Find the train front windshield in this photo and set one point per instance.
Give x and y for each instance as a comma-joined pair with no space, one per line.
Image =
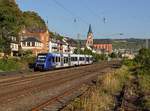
41,58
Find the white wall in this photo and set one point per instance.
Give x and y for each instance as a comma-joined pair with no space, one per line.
51,46
14,47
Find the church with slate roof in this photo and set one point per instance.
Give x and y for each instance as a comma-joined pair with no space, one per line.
98,45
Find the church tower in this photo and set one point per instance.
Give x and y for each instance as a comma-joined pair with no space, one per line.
89,41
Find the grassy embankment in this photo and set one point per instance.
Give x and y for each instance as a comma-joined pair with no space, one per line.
141,66
15,64
144,84
102,96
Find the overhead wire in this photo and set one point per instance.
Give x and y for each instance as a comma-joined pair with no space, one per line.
70,12
93,12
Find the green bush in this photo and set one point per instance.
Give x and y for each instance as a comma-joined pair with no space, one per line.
143,59
28,59
9,65
128,63
15,64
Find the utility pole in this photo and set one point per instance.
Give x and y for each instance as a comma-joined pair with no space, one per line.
78,45
147,44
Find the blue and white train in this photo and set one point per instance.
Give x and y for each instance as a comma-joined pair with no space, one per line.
48,61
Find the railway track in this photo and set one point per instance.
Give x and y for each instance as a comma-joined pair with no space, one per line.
52,82
26,93
130,98
56,102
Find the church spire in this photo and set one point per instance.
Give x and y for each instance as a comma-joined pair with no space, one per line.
89,41
90,29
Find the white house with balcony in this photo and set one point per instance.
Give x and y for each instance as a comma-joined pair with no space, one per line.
58,46
33,44
53,46
14,46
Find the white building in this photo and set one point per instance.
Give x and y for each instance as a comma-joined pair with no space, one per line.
58,46
53,46
129,56
33,44
14,46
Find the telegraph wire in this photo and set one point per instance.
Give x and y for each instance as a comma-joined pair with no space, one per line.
69,12
60,5
91,10
104,19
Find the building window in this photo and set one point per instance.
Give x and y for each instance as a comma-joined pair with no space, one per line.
12,46
37,44
33,44
28,43
23,44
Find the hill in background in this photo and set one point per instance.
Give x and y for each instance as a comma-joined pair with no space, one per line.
131,43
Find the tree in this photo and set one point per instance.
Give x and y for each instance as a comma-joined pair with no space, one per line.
10,23
113,55
78,51
143,58
13,20
88,51
33,22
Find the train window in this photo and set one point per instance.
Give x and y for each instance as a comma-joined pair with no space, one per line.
91,58
87,59
58,59
65,59
81,58
41,58
53,59
76,59
62,59
72,58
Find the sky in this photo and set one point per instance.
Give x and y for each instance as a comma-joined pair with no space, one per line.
109,18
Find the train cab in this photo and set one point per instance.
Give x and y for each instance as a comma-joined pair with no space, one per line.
45,61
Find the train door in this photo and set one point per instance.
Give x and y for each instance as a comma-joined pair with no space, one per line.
69,60
49,62
78,59
62,60
84,59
